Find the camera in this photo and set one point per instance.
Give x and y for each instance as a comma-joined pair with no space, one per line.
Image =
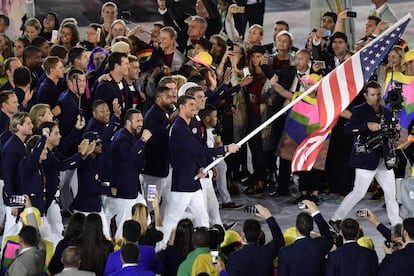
395,98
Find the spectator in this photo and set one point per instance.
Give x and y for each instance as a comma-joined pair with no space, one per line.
71,261
109,12
19,45
129,256
306,252
351,258
32,28
69,35
50,22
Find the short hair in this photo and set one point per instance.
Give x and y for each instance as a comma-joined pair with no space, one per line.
6,20
5,95
160,90
333,15
8,62
165,80
31,143
106,4
349,229
131,230
396,230
115,58
71,256
374,18
258,27
372,84
49,125
252,230
132,58
208,109
22,76
199,19
74,53
39,41
182,100
50,63
17,119
30,51
34,22
58,51
130,253
28,234
408,225
288,35
73,73
97,103
130,112
284,23
170,30
304,51
304,223
192,90
201,237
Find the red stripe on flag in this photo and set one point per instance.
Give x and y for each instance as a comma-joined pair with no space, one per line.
351,82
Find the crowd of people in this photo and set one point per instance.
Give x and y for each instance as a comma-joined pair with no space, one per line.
115,132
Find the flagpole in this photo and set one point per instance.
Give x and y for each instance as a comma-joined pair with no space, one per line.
263,125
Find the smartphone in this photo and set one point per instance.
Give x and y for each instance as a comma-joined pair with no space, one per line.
98,35
321,63
152,189
214,255
230,44
17,201
246,71
327,33
54,36
302,206
351,14
362,213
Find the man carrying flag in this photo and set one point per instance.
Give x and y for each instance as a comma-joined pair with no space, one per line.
338,89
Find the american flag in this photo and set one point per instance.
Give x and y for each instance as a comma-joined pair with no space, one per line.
337,90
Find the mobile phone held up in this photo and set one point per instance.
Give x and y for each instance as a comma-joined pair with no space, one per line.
152,190
351,14
361,213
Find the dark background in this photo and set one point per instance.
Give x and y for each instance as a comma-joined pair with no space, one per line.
87,11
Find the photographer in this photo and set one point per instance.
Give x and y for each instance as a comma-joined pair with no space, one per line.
368,119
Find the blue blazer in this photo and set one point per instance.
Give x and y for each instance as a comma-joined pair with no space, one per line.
352,259
306,256
133,271
357,124
185,152
252,259
106,133
399,263
157,158
148,260
12,153
31,177
127,152
90,190
109,90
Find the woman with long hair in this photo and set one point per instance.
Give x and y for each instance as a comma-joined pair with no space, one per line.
179,245
50,22
72,232
69,35
93,245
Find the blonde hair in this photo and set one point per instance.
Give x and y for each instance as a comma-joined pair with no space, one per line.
34,22
36,111
258,27
180,80
110,36
140,214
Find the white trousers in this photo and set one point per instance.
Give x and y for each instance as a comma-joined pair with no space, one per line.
210,200
105,224
54,219
177,203
2,206
123,209
363,179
